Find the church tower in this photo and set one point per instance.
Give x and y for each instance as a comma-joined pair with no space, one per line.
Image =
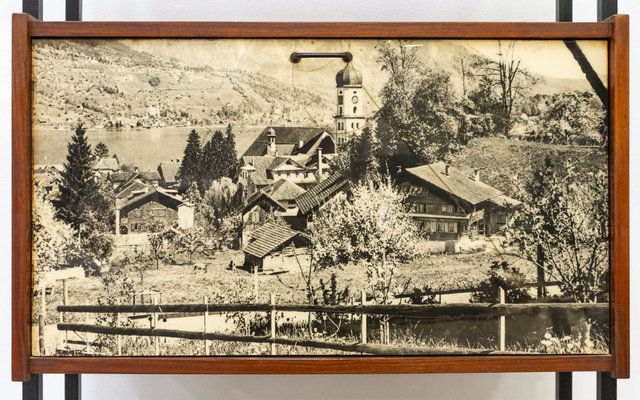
350,115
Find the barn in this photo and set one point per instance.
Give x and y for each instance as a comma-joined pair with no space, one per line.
133,213
272,246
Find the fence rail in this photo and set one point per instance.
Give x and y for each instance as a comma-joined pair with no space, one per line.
377,349
399,310
498,311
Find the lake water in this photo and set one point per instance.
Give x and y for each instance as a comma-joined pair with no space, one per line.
142,148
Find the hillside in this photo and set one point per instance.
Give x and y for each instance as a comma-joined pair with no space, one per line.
105,82
500,160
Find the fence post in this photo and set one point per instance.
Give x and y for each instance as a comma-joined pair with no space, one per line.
363,319
118,337
86,336
273,324
255,283
206,313
41,343
65,301
154,323
503,320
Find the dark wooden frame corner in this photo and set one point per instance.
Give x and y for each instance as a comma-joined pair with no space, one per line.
615,30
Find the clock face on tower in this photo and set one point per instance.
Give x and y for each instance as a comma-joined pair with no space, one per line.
354,99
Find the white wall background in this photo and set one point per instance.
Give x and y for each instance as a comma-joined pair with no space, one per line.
336,387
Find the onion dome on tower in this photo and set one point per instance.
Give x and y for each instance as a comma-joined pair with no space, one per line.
349,76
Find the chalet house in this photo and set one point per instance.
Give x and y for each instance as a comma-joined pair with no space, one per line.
168,171
134,211
271,246
278,199
290,202
299,155
313,199
446,202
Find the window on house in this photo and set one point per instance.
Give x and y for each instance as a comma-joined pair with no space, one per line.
439,227
443,208
352,126
421,208
453,227
340,110
355,109
340,99
427,226
430,208
357,124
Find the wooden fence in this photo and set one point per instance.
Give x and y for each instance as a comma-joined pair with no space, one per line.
452,312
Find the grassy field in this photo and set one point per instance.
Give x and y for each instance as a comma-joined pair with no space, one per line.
186,284
501,160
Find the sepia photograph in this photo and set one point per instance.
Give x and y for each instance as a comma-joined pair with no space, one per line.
418,197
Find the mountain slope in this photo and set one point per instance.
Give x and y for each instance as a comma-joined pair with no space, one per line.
104,82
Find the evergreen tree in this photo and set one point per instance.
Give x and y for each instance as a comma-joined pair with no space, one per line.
363,153
79,187
101,150
211,165
190,169
218,149
231,153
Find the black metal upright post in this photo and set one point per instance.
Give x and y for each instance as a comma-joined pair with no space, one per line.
32,389
73,382
564,385
564,10
73,10
607,8
72,387
564,380
607,385
33,8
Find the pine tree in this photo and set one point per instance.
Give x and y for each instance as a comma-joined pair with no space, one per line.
79,187
210,167
218,155
190,171
363,153
101,150
231,153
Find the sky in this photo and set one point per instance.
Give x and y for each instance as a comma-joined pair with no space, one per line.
548,58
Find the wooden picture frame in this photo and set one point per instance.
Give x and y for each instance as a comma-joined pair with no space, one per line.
614,30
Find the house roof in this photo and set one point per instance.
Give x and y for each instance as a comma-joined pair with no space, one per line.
54,168
283,189
260,164
295,162
280,190
153,191
129,187
320,193
457,183
168,170
285,135
107,163
119,176
269,237
125,178
149,175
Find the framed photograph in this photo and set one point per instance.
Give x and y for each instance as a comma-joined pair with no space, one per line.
320,197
